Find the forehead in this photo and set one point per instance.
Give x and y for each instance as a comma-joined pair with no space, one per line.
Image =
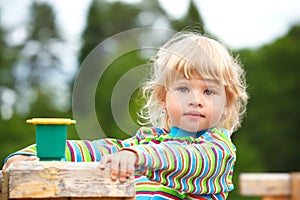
198,80
185,70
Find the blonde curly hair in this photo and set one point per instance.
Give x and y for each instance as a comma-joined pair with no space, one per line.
192,55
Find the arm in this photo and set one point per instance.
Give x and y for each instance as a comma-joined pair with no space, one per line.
203,166
123,161
76,150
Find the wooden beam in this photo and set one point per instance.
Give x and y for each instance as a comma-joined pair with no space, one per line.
265,184
295,186
33,179
271,186
276,198
1,179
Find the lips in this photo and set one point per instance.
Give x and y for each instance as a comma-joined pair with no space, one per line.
194,114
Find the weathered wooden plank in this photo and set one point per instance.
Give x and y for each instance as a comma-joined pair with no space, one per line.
4,187
64,179
276,198
295,186
265,184
1,178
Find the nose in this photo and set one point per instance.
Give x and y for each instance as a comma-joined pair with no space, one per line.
197,100
197,103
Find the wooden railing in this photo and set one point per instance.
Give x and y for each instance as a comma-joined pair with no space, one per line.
63,180
271,186
1,176
83,180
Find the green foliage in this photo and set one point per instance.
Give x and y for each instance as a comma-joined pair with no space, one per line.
7,59
273,112
192,20
15,134
40,54
27,71
105,89
102,24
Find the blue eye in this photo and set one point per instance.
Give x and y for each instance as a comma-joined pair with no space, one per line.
208,92
183,89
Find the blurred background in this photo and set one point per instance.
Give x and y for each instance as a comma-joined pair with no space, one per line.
43,43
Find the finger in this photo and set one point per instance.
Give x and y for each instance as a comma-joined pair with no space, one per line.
128,174
115,163
130,167
123,168
104,160
114,174
18,158
4,168
32,158
9,162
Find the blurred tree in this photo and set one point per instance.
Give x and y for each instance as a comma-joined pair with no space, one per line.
102,23
8,58
39,49
10,126
40,69
191,19
272,121
30,79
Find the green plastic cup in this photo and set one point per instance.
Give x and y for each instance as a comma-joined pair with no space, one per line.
51,136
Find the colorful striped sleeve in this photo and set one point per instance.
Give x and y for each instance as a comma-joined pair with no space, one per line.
76,150
204,166
83,150
86,151
28,151
89,151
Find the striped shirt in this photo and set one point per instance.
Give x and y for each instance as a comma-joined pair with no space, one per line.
169,166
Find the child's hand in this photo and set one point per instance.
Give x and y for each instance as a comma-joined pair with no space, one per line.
18,158
122,163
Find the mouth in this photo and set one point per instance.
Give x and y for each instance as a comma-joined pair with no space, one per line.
194,114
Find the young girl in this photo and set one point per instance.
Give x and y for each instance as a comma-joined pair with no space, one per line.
196,97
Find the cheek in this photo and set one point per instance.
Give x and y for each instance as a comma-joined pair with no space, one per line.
219,103
218,107
173,106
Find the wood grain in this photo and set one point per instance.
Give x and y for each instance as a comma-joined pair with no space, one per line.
271,186
33,179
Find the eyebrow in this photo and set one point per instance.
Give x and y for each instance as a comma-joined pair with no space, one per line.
182,80
210,83
207,81
215,85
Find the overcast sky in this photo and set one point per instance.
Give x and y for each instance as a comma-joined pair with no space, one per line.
239,24
246,23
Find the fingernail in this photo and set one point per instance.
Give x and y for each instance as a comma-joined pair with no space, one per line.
122,179
113,177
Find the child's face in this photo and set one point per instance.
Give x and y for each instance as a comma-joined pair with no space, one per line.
195,104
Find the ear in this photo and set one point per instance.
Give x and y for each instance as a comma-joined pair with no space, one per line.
163,100
163,105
